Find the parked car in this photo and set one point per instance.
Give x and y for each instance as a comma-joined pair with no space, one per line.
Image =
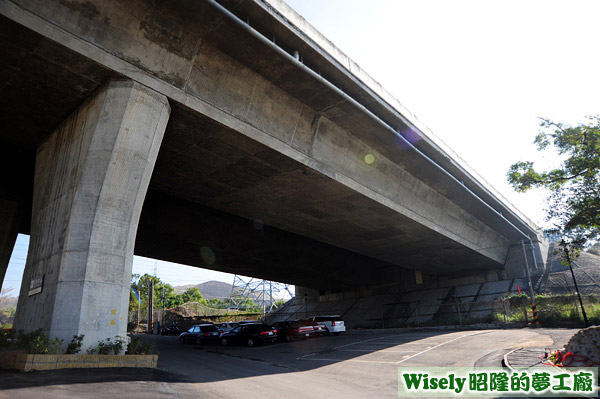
297,329
249,334
200,334
226,327
320,329
334,324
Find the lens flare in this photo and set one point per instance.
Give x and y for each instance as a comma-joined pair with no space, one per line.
409,135
369,159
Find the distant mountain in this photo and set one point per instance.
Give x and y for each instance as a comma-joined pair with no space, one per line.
209,290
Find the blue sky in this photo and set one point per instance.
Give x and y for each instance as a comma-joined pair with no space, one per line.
478,73
173,273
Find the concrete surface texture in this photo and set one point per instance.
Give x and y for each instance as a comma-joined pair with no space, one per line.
306,170
586,344
91,179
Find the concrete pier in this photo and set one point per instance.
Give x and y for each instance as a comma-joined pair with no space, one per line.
91,178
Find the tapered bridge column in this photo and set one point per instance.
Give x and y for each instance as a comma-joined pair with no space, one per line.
91,177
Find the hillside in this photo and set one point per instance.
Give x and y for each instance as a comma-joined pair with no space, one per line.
209,290
8,302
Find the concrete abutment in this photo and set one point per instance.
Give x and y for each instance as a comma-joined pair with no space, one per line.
91,177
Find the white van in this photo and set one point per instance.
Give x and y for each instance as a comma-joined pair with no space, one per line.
334,324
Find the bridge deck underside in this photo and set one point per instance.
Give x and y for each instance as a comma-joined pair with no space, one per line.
208,165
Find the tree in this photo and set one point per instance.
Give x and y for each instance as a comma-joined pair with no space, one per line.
574,201
217,303
140,284
192,295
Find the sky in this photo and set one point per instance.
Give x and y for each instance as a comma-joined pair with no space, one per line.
479,74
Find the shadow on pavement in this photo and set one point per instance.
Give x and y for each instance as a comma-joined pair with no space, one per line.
16,379
209,363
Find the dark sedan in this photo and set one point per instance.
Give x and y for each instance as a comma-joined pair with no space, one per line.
250,335
297,329
200,334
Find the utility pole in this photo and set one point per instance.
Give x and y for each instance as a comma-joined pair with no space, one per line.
162,298
150,300
531,293
568,259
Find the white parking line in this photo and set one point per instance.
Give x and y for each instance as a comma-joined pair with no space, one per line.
372,351
431,346
349,360
359,342
338,347
437,346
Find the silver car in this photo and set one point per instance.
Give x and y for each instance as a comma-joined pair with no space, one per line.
226,327
334,324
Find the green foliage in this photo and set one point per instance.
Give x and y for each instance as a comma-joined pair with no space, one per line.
7,338
247,305
161,290
108,347
280,303
553,310
218,303
36,342
75,345
574,202
192,295
139,347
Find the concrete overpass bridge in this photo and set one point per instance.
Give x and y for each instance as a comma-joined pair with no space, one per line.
228,135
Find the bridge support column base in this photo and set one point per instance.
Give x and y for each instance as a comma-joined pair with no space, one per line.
91,177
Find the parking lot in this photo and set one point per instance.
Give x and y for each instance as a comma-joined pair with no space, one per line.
353,365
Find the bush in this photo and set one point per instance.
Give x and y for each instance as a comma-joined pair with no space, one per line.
75,345
139,347
554,310
36,342
7,338
107,347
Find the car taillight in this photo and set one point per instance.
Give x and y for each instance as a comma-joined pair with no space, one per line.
263,333
333,324
207,334
275,331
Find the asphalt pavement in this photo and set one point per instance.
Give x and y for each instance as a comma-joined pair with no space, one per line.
357,365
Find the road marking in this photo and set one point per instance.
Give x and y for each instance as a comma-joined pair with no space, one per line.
359,342
373,351
342,346
349,360
437,346
370,342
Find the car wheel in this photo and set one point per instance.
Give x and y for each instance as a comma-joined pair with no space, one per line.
224,342
326,333
288,338
336,333
198,341
181,340
250,342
